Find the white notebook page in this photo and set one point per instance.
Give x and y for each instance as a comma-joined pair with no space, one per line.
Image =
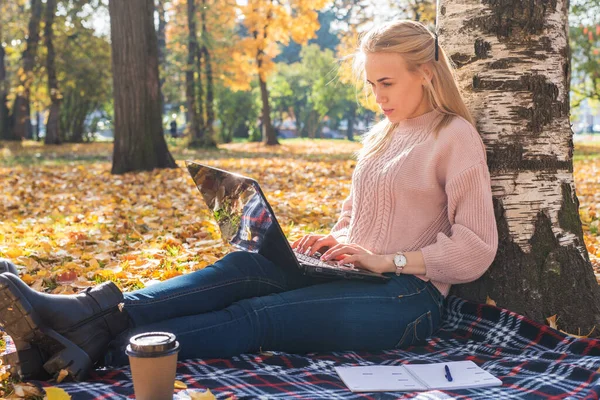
465,374
416,377
378,378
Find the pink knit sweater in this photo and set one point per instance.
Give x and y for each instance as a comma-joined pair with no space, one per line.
428,194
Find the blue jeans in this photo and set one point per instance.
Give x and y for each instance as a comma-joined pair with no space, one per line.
243,303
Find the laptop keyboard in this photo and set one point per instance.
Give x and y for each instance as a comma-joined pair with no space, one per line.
314,260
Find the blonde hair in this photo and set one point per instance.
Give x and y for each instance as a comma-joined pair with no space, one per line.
416,44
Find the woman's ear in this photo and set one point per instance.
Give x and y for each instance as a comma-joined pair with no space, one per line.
427,73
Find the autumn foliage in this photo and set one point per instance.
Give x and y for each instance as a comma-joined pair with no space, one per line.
70,224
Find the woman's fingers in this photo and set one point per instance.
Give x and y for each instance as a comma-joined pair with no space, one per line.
307,242
324,241
339,250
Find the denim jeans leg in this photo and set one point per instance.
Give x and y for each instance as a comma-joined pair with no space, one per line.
238,275
332,316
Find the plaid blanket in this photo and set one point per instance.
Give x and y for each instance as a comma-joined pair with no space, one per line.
533,361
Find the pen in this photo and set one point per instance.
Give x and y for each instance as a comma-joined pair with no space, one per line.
448,376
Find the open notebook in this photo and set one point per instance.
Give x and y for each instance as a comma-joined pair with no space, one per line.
416,377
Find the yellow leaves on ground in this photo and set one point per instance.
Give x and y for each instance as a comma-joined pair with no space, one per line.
586,172
553,323
24,390
54,393
71,225
180,385
197,395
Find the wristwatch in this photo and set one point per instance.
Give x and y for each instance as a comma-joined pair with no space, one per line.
399,262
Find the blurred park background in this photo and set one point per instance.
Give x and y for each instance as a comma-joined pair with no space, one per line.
260,88
56,82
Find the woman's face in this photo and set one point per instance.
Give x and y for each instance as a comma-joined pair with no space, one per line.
398,92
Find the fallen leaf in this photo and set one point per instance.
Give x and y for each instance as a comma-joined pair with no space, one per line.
180,385
490,302
54,393
552,321
26,390
62,375
206,395
580,336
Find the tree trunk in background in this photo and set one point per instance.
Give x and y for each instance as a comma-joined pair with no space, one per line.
162,50
139,140
268,133
209,134
190,81
53,124
4,134
38,125
513,64
269,137
351,119
200,92
21,119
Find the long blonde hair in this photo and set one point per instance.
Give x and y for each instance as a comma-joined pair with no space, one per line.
416,44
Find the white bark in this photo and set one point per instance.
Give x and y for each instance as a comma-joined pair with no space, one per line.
523,193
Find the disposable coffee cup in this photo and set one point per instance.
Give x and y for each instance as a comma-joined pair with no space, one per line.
153,361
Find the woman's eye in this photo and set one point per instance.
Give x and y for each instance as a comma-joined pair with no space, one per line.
383,84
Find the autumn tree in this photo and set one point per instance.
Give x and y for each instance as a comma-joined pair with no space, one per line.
53,123
4,112
205,52
270,24
162,47
514,70
139,142
21,121
193,116
585,42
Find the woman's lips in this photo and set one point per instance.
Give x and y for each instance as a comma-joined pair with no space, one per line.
388,112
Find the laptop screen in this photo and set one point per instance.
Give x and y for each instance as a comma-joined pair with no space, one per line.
236,205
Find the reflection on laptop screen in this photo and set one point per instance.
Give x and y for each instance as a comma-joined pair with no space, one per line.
240,211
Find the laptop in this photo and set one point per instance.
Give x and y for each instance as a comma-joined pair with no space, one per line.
247,222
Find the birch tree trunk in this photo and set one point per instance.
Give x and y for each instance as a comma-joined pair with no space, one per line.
513,68
139,139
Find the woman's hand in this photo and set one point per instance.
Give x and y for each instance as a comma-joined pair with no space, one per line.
359,256
313,243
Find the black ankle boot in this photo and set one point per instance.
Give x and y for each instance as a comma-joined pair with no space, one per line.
7,266
68,332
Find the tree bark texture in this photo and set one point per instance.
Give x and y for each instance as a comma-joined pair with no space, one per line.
53,135
139,140
21,119
513,67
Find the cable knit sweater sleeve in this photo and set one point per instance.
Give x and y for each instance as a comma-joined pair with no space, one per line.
470,249
340,229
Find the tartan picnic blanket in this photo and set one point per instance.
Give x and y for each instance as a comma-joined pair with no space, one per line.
533,361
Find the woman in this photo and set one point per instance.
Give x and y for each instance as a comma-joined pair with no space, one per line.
420,211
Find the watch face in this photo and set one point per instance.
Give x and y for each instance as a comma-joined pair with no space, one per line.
399,260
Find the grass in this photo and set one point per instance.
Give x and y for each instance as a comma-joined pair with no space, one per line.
31,153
